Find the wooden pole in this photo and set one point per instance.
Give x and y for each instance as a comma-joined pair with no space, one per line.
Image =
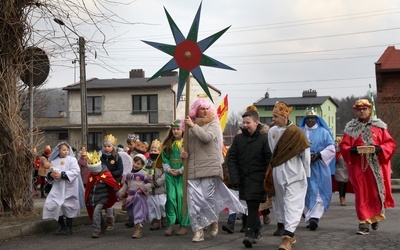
185,148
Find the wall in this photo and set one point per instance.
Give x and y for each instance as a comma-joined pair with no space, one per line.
117,106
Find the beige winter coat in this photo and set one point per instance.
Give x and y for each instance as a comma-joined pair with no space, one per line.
205,149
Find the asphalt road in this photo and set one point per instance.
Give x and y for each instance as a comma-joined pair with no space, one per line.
337,230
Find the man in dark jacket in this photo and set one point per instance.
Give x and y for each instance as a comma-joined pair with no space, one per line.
248,158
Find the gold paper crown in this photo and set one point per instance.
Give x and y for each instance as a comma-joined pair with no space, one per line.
110,139
141,147
281,108
156,144
362,103
93,159
311,112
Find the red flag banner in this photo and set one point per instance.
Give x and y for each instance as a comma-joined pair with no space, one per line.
222,112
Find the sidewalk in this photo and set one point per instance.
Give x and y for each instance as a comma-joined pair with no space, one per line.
49,226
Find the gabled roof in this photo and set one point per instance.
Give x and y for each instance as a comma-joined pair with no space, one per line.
296,101
95,83
129,83
390,59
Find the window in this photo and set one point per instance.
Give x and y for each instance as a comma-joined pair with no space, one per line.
94,104
146,104
63,136
301,107
266,120
298,120
148,137
95,141
267,108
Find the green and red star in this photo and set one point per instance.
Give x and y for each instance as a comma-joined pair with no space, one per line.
188,54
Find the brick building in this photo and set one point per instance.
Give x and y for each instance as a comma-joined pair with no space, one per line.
387,71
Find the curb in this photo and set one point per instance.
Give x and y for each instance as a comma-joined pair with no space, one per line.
46,226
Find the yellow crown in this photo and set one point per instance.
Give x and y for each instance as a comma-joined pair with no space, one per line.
281,108
93,159
110,139
156,144
311,112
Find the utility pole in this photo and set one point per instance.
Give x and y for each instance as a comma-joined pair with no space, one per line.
82,69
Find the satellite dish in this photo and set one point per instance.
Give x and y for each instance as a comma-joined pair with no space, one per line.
36,66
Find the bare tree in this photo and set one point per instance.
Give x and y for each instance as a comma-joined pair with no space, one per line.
232,127
29,23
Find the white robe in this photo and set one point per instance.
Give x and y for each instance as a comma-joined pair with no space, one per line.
63,198
290,183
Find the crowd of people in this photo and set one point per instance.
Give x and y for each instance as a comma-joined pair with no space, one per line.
282,166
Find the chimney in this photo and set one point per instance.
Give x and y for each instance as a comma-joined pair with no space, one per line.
136,73
266,95
310,93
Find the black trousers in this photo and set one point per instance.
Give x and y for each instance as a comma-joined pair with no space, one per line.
342,189
253,219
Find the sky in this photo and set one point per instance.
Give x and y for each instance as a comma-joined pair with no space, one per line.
280,47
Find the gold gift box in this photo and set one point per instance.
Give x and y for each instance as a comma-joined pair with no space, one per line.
366,149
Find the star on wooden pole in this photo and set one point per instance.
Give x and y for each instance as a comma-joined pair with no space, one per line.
188,54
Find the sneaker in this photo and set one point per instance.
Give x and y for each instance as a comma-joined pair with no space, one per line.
258,237
362,230
375,226
287,242
313,223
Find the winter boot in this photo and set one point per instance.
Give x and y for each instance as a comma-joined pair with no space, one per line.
198,236
230,227
182,231
214,229
163,222
170,230
155,224
137,231
68,228
280,229
61,226
244,222
342,201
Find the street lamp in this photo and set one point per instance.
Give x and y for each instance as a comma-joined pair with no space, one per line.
82,81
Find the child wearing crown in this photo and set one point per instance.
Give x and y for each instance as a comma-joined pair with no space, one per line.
157,196
99,193
137,190
63,199
111,159
173,168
